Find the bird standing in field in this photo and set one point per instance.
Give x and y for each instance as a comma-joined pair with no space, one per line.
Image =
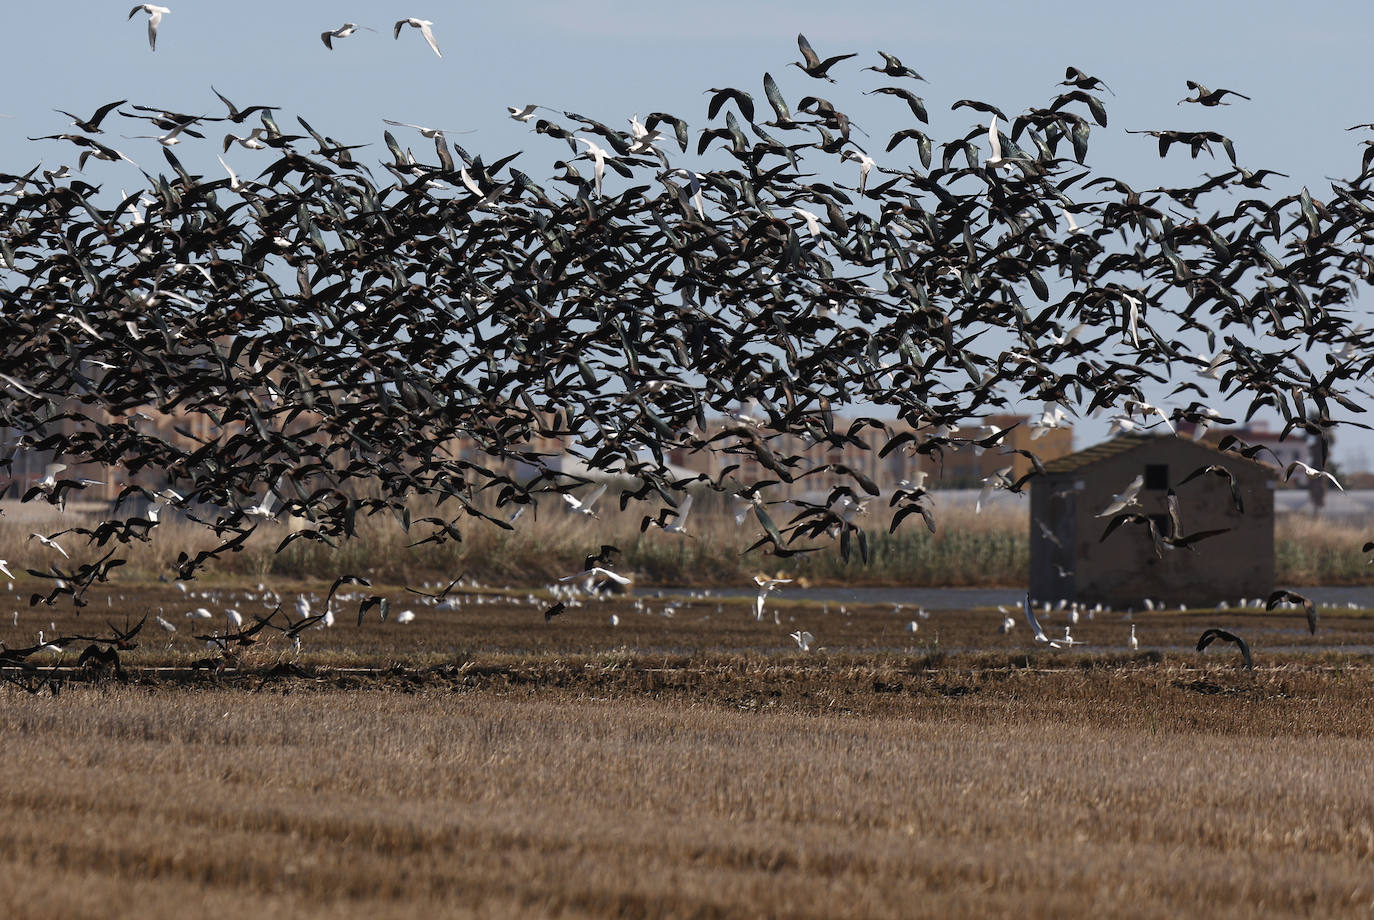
155,14
421,24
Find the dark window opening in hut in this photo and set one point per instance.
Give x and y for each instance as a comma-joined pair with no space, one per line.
1157,476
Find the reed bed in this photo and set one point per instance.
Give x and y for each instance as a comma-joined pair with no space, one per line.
967,550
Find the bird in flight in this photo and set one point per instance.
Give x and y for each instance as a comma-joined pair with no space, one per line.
1208,636
1309,472
812,64
421,24
342,31
1308,607
1210,97
155,14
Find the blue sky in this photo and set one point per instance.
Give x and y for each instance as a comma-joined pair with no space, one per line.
1305,65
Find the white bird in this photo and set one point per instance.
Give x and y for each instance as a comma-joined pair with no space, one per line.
584,505
342,31
234,617
679,523
522,114
615,620
598,156
766,585
1309,472
155,14
1034,624
913,626
48,542
421,24
589,577
1126,498
995,146
866,163
804,640
405,616
200,613
1133,642
1008,624
998,480
813,221
263,509
168,627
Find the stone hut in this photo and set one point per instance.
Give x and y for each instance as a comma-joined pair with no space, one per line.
1070,560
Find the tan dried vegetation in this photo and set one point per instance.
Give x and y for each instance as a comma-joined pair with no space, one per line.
695,766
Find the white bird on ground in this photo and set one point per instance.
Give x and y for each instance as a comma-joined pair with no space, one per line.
166,626
200,613
1133,642
234,617
421,24
405,616
48,542
1008,624
913,626
598,156
804,640
766,585
584,505
1309,472
1126,498
155,14
615,620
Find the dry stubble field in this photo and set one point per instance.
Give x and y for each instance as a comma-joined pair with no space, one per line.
695,766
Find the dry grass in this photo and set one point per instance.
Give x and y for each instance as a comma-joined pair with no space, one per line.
1123,792
698,766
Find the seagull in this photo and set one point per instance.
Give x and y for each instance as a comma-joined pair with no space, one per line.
866,163
598,157
584,506
155,14
1206,639
430,133
1309,472
1126,498
342,31
522,114
421,24
804,639
48,542
589,577
1036,631
766,585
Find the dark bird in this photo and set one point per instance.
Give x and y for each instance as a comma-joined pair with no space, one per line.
812,64
1216,469
894,68
92,125
1209,635
1210,97
554,611
1308,607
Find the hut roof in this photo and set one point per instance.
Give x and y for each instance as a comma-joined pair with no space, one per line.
1128,442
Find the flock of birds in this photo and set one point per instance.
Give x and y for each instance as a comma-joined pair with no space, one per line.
368,337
